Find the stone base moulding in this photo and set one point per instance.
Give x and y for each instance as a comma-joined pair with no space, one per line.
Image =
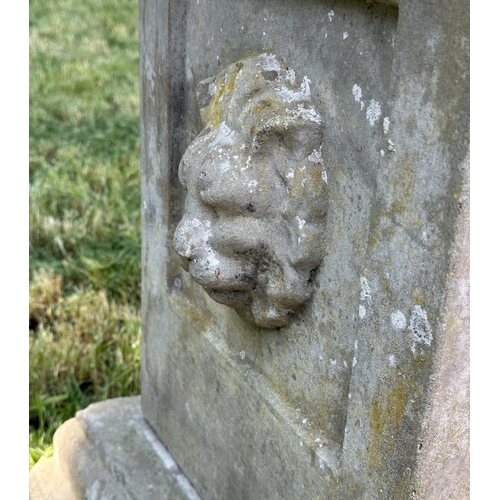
109,452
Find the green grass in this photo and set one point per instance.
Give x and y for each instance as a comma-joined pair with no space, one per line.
84,209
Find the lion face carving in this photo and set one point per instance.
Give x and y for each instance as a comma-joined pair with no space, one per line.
252,231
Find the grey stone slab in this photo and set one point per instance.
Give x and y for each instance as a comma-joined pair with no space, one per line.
109,452
336,404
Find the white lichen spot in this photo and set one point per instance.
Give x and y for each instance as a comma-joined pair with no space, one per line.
302,94
331,15
354,361
392,360
252,184
144,205
315,156
345,35
382,153
333,362
391,146
301,443
387,124
356,345
301,222
420,329
304,422
290,175
248,164
362,311
243,354
324,176
326,35
362,105
366,291
398,320
308,113
349,396
373,112
356,92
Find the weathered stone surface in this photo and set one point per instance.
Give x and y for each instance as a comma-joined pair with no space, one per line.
336,403
109,452
443,459
252,234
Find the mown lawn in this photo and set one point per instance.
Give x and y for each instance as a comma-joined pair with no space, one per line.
84,209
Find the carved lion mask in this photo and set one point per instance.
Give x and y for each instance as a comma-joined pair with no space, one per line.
252,231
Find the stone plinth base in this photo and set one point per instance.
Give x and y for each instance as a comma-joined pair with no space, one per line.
108,451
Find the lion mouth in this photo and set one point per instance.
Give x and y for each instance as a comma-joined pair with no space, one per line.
232,298
222,282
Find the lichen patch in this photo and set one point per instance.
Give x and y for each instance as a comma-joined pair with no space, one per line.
420,329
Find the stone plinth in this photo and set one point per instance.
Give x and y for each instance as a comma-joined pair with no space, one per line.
109,452
339,402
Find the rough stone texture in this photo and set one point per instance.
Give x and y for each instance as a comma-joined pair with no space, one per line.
444,460
109,452
336,404
252,234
